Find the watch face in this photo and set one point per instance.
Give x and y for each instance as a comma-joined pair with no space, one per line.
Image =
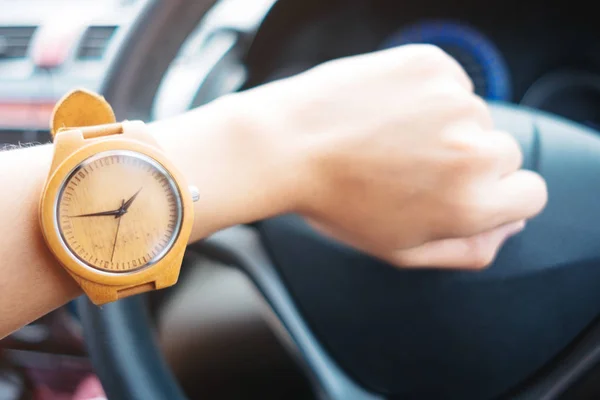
119,211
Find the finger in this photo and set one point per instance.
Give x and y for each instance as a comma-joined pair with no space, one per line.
475,252
518,196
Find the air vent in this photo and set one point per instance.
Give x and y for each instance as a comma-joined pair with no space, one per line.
14,41
94,42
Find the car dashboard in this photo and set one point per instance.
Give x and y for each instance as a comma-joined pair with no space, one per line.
42,57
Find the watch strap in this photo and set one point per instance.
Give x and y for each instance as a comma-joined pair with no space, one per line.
82,108
100,294
92,132
92,116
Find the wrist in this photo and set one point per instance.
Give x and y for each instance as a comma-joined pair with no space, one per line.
298,152
271,166
244,170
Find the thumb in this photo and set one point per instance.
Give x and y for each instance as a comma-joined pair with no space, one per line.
475,252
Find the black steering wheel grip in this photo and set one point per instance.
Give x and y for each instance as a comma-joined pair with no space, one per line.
121,343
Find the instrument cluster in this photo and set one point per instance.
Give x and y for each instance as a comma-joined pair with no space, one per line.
572,92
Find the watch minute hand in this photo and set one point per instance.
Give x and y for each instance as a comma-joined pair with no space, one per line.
98,214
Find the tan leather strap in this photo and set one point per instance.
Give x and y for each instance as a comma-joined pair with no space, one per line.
81,108
137,289
91,114
91,132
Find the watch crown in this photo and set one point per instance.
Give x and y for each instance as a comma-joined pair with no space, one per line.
195,193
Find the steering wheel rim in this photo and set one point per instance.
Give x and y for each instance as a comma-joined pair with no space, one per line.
142,372
120,342
151,45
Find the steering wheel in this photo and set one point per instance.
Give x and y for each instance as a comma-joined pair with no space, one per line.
524,328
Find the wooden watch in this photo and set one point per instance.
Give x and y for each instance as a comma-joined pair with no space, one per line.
114,211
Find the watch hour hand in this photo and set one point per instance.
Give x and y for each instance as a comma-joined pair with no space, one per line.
126,205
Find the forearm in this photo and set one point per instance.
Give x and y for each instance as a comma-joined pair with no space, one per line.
31,282
240,179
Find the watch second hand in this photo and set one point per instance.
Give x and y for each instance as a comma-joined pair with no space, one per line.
117,232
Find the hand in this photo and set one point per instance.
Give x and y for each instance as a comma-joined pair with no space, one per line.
403,160
115,213
126,204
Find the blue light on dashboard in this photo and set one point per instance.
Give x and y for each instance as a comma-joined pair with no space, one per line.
489,65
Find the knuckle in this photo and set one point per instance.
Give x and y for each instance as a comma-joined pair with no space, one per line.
477,106
480,105
444,93
473,107
435,54
429,56
510,150
469,152
467,80
478,151
466,104
432,60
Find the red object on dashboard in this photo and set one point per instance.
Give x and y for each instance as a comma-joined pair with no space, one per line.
25,115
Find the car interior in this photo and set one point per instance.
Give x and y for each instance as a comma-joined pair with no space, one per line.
275,310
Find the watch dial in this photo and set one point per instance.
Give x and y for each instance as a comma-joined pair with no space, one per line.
119,211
